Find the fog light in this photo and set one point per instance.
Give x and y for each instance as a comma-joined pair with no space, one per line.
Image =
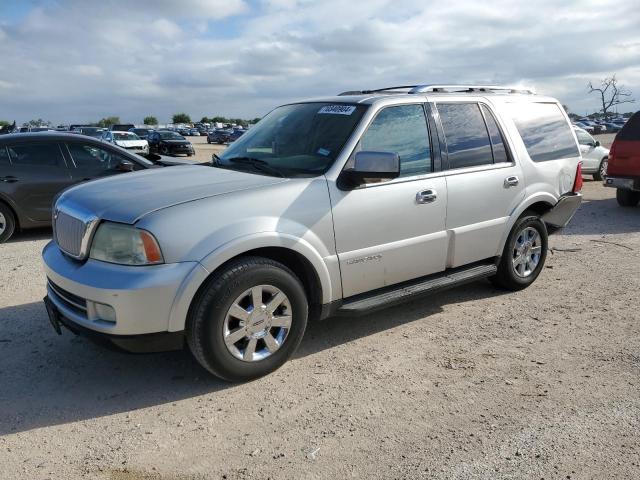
105,312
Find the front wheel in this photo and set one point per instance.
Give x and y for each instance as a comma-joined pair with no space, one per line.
627,198
248,319
524,254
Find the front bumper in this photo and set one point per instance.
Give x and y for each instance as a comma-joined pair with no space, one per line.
118,299
628,183
564,210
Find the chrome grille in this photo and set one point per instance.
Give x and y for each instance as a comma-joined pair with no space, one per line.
69,232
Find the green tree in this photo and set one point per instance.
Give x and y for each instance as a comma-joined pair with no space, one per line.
150,120
107,122
4,123
181,118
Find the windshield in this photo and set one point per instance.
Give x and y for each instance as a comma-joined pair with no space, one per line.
295,140
125,136
170,136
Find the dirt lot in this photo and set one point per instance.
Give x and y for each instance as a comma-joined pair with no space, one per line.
472,383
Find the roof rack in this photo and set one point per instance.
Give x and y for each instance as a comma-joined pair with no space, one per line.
436,88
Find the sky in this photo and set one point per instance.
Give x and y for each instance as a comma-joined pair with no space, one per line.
72,61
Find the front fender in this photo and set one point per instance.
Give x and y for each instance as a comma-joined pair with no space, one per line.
326,268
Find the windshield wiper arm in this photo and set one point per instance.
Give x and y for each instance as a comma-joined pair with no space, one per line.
257,164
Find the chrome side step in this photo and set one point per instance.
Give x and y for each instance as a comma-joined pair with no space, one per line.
386,297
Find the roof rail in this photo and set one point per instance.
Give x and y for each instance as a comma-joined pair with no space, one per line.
470,88
435,88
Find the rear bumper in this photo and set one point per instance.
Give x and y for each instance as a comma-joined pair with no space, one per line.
563,211
624,183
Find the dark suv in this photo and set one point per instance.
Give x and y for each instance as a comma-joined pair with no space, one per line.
35,167
167,142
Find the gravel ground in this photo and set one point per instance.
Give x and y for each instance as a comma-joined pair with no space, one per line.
470,383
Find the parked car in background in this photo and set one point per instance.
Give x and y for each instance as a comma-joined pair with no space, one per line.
124,127
143,133
334,206
95,132
194,132
623,169
167,142
594,155
35,167
585,127
219,136
127,140
613,127
236,134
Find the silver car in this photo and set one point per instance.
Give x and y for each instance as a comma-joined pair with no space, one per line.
594,155
334,206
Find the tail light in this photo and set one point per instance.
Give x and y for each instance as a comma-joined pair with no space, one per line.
577,184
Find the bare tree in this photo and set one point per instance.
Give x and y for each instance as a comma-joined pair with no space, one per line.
611,94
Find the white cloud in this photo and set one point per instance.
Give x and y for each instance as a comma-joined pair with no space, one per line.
75,60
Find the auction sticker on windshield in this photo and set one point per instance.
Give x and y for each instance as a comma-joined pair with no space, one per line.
338,109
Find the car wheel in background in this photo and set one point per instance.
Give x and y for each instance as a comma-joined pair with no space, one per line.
164,150
627,198
524,254
602,170
248,319
7,223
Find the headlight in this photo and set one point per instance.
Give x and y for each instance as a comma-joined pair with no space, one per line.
126,245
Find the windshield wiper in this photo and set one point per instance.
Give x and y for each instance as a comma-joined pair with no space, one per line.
257,164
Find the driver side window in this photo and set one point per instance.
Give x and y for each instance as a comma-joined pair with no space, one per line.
91,157
403,130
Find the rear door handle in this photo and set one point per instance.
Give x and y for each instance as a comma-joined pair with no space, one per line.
511,181
426,196
9,179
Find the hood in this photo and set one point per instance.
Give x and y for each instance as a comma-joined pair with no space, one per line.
175,142
131,143
128,197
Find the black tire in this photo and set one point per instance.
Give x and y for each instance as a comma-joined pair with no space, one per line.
507,278
9,225
599,175
164,150
208,311
627,198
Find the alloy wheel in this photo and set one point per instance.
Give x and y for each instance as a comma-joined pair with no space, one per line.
257,323
3,223
527,252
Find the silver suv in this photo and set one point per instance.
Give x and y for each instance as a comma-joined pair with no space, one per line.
333,206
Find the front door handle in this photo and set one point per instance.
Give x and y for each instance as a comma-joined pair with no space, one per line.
426,196
511,181
9,179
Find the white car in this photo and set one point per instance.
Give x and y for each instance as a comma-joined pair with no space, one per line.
594,155
127,140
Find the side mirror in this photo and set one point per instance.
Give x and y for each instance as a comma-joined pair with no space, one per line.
371,167
597,144
125,166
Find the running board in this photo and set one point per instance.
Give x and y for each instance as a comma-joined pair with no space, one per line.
390,296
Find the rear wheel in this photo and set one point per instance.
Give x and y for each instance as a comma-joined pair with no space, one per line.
627,198
248,320
7,223
524,254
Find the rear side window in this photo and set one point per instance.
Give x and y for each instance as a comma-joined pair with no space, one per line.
544,131
4,157
45,154
631,129
497,142
468,143
401,130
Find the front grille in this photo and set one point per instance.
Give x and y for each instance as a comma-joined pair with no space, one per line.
69,232
71,300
